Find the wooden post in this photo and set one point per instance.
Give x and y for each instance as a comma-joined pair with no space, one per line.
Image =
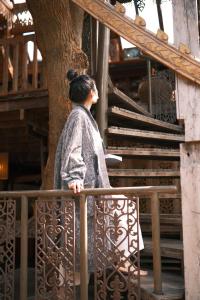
155,217
83,247
35,68
94,24
16,67
149,85
188,109
24,249
102,79
5,51
24,67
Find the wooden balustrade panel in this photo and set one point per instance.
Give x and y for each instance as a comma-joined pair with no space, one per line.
117,241
55,249
7,247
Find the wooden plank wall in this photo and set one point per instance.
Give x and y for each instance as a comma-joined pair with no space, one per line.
188,109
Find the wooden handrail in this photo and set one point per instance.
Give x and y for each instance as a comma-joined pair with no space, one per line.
137,191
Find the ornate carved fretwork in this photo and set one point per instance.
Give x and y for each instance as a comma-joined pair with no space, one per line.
156,47
116,248
7,248
22,20
55,249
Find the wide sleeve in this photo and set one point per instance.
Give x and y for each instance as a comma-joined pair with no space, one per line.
72,165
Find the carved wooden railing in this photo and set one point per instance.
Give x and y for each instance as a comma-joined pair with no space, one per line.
56,240
19,73
134,31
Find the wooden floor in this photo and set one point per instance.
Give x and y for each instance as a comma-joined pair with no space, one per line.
173,287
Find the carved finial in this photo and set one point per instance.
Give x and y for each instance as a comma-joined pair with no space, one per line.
140,21
184,49
120,8
162,35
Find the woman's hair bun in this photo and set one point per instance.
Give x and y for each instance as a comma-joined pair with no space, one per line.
71,74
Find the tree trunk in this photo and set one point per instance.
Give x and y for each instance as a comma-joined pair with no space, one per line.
58,26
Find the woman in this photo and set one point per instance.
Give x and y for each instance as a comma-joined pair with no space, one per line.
80,160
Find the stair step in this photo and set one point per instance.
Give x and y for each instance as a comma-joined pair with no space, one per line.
172,285
172,219
152,152
118,97
170,224
143,173
144,134
169,247
143,120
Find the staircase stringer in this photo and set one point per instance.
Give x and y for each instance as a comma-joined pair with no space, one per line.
156,46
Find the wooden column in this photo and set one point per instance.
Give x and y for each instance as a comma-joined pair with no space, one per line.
102,78
94,25
188,109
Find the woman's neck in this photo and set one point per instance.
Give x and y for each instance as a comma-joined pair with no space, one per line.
88,105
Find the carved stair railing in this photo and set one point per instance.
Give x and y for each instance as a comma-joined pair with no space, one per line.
134,31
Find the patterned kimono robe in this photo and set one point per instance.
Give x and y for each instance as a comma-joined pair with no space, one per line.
80,153
80,156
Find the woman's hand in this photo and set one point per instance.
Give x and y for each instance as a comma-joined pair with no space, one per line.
76,186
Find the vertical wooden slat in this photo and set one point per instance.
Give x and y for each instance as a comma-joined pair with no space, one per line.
83,248
157,273
102,79
35,67
5,51
24,249
24,67
16,67
149,85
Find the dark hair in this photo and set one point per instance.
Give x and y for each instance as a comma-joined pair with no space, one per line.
80,86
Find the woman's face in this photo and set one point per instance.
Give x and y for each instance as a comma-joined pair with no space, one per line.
94,95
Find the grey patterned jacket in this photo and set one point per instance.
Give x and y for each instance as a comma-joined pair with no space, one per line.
80,153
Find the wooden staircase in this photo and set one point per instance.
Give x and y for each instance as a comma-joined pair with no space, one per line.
150,151
150,147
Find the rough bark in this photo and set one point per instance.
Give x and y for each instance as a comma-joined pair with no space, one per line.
58,26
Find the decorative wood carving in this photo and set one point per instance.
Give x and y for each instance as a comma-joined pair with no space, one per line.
148,42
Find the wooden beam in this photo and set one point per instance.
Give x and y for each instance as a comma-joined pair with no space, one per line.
134,31
12,124
23,103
